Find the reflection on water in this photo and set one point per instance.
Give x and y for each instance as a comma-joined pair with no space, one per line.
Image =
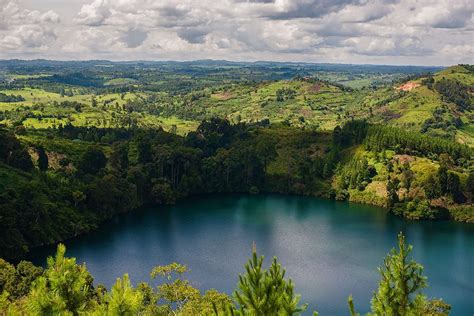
330,249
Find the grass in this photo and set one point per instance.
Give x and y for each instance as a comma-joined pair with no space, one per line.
71,148
120,81
30,95
466,135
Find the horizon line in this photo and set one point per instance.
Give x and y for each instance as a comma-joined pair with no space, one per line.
221,60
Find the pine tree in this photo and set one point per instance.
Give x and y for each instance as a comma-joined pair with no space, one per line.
399,292
266,292
65,287
123,299
402,280
453,184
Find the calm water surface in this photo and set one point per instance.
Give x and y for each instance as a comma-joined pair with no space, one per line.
330,249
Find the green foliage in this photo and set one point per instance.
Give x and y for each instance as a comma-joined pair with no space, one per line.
432,187
463,213
401,283
10,98
13,153
92,161
16,281
385,137
162,192
123,299
434,307
352,311
119,156
65,287
285,94
415,210
175,292
399,291
454,91
266,292
355,174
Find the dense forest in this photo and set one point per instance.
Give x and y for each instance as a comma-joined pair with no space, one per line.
66,288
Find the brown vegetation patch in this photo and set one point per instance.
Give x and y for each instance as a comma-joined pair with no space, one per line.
404,158
387,114
306,113
226,95
54,160
315,88
378,187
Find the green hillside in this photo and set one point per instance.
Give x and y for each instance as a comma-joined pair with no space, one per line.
429,107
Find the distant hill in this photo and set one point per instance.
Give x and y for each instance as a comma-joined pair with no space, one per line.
439,105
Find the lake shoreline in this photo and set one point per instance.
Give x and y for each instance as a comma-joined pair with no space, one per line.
216,195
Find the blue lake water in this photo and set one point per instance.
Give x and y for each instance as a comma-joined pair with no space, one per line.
330,249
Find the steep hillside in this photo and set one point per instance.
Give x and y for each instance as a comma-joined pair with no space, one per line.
440,105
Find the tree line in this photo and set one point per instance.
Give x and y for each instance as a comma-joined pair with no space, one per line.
10,98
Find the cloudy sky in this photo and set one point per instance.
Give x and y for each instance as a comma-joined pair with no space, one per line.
422,32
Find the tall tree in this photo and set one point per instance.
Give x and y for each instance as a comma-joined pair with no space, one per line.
392,195
453,184
119,156
65,288
43,160
92,160
266,150
175,291
123,299
266,292
402,280
399,291
432,187
443,179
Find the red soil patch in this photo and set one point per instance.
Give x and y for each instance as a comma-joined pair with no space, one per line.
408,86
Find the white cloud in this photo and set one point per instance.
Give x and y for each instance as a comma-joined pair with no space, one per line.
26,29
445,14
94,14
459,51
382,31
